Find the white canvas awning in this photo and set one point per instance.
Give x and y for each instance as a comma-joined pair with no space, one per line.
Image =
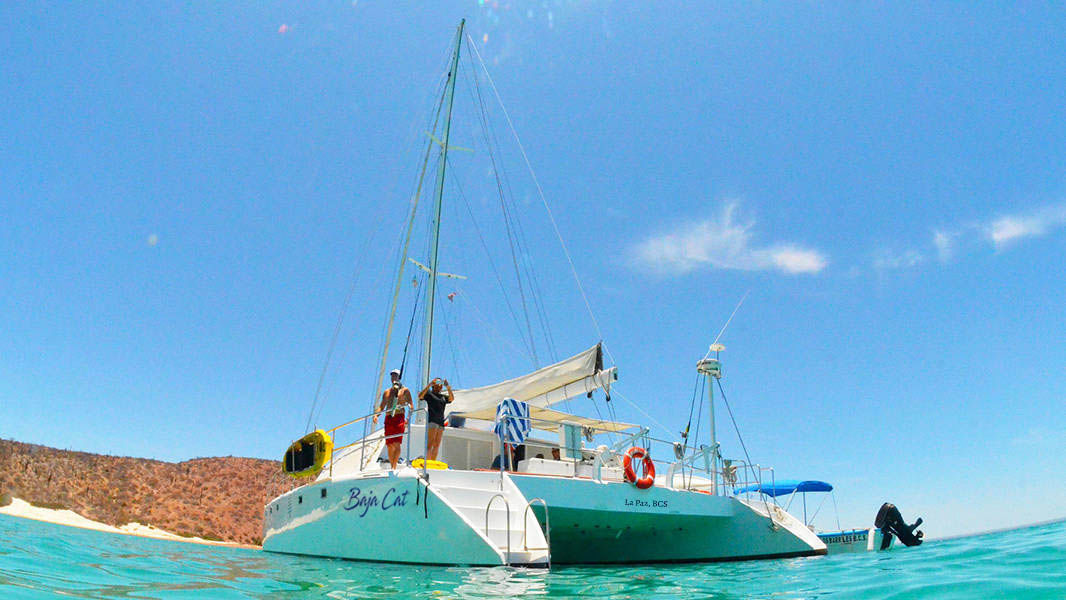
579,374
547,419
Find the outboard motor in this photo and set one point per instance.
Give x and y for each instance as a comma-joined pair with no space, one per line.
890,522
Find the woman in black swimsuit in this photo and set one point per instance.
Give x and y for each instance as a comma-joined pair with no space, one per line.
435,401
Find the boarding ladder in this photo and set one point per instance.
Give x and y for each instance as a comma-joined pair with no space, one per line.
497,510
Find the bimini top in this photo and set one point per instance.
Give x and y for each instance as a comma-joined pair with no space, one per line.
547,419
786,487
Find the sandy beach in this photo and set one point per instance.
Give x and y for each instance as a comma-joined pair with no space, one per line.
25,510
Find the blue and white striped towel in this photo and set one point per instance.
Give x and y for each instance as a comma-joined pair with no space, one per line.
512,421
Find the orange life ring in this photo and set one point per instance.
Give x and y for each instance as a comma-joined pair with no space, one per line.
637,453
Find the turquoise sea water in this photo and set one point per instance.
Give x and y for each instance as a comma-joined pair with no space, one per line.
41,560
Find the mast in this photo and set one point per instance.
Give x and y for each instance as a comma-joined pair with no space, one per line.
431,291
712,369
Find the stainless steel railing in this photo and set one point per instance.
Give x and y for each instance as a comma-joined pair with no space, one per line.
721,476
507,517
547,528
364,442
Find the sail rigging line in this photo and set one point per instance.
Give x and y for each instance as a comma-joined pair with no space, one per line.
538,303
540,192
727,322
755,476
492,263
451,345
410,329
401,264
438,197
691,409
518,276
492,141
346,349
360,264
524,256
357,272
501,183
321,395
616,392
699,416
610,407
488,324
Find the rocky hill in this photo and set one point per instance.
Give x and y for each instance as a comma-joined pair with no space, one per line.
212,498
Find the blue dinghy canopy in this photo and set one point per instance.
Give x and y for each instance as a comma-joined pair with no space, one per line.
786,487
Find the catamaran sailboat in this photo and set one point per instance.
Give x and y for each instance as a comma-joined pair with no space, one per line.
559,493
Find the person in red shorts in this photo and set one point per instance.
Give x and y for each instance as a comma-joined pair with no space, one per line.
393,401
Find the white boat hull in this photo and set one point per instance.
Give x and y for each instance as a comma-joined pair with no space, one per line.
384,517
614,522
372,518
855,540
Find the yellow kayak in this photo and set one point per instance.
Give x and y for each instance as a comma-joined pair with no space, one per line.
433,464
307,455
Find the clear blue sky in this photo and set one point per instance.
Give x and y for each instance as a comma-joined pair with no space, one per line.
187,190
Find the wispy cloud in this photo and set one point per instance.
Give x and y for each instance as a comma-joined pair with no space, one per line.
891,260
725,242
1000,232
1009,229
793,259
944,241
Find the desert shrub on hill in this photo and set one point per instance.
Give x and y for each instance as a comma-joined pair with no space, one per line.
213,498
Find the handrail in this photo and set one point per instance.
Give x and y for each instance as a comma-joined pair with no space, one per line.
507,507
356,420
597,464
679,464
364,441
629,440
598,460
353,421
367,441
547,528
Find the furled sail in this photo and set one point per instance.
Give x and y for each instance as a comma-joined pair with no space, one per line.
577,375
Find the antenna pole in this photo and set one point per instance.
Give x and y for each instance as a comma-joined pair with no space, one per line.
711,368
431,291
